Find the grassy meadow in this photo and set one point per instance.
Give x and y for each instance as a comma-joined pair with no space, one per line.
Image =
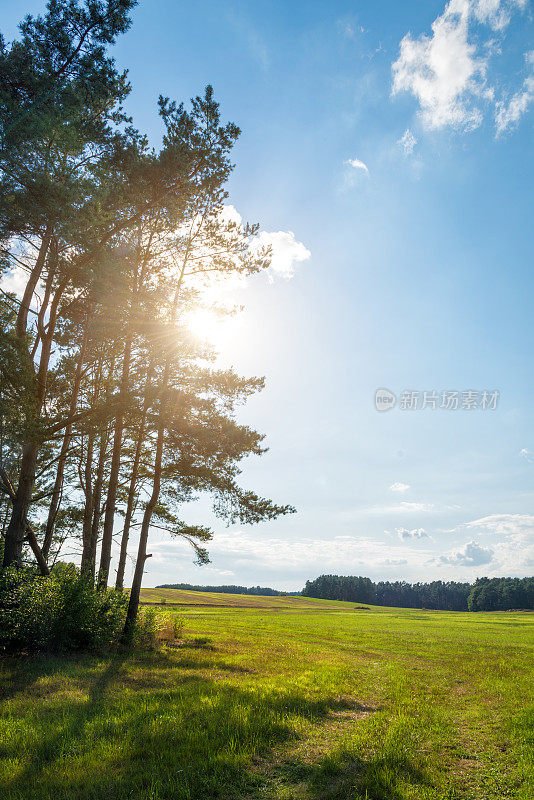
184,597
280,697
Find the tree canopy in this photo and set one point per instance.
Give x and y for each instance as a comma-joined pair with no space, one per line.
111,409
495,594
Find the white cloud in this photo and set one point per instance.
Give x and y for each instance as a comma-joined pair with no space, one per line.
399,487
314,555
229,213
504,524
407,142
507,115
405,506
14,281
447,70
496,13
355,163
470,555
214,571
286,251
416,533
243,552
443,71
515,554
512,541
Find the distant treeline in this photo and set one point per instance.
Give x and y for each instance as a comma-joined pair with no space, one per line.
486,594
226,589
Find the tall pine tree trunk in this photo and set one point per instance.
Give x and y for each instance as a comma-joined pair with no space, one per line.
88,507
119,583
35,274
58,483
135,592
111,499
16,529
97,506
18,523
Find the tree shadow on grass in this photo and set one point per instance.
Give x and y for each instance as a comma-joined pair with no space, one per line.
149,730
184,740
76,713
18,673
344,776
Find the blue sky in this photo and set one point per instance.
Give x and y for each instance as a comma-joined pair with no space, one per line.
394,140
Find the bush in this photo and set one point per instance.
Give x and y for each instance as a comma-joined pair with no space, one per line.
153,626
61,612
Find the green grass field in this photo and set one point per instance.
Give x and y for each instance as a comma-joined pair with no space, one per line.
280,698
182,597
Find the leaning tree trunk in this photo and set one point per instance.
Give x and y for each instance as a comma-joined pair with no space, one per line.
17,529
7,486
35,274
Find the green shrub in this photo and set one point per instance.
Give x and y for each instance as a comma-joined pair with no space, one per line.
144,637
61,612
153,627
177,622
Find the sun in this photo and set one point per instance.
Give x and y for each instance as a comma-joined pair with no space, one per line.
204,325
209,326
